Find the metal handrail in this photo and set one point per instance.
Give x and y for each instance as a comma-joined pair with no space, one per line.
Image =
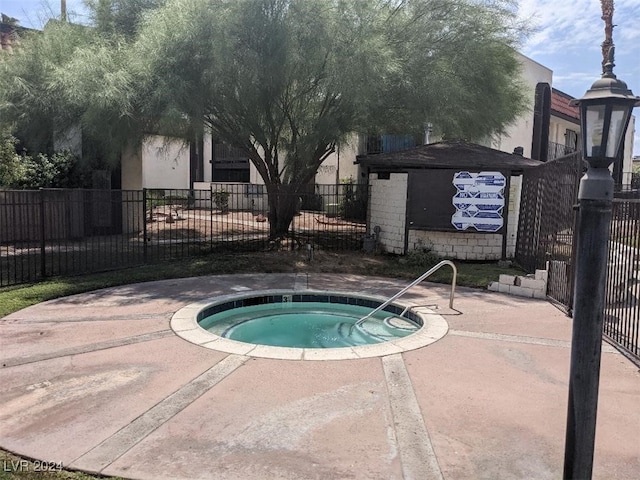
414,283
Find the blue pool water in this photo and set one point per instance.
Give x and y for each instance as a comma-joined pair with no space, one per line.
306,324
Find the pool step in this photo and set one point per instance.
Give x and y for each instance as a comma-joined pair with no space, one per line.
390,328
373,331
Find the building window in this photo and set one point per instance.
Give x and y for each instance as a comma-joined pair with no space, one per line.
388,143
571,140
229,164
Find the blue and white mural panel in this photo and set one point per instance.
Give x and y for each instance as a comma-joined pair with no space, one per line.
479,201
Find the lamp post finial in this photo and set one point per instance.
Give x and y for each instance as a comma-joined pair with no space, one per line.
607,45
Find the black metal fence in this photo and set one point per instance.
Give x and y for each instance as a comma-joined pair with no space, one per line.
545,240
45,233
622,310
546,224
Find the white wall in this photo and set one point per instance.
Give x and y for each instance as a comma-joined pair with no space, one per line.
207,154
131,169
388,210
520,133
627,165
342,162
165,163
558,127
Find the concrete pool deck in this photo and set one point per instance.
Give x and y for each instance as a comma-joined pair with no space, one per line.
99,382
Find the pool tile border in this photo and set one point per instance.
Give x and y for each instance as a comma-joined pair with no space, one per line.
184,323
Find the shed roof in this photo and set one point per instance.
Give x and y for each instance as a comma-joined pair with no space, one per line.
447,154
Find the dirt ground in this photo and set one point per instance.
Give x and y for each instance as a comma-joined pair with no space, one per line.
170,222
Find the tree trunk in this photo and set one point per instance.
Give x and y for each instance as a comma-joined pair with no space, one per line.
284,201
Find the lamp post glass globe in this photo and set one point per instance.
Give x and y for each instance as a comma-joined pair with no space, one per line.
604,127
605,111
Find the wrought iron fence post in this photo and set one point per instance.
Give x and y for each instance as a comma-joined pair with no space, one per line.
144,226
43,243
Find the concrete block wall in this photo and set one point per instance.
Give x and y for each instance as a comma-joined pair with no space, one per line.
388,210
458,245
531,286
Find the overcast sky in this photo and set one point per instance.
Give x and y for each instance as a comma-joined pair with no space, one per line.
568,38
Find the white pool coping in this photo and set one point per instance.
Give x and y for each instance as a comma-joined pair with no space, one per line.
185,324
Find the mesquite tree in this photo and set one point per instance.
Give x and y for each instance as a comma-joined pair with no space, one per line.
286,81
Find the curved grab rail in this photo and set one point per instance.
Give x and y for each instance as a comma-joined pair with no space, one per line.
414,283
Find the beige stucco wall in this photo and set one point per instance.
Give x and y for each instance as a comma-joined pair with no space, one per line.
165,163
160,162
131,168
131,177
340,162
520,133
558,127
627,165
207,155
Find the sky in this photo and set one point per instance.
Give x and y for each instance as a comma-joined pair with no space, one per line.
567,38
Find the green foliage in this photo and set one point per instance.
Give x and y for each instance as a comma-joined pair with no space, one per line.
353,202
69,77
55,171
221,199
473,274
11,168
159,197
421,257
59,170
286,81
31,98
119,17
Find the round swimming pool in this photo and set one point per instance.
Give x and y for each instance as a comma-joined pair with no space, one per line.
301,324
308,321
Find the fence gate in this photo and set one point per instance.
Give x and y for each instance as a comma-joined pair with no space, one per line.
546,225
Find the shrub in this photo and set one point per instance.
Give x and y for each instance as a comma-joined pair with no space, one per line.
353,204
60,170
221,199
11,168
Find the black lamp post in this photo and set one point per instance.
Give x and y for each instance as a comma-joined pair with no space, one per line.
605,111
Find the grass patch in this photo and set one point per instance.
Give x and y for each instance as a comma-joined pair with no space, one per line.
477,275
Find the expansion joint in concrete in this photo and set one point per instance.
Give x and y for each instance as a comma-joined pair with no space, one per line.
417,456
301,281
105,453
93,347
547,342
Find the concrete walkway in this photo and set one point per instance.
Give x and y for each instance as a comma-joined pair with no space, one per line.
99,382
